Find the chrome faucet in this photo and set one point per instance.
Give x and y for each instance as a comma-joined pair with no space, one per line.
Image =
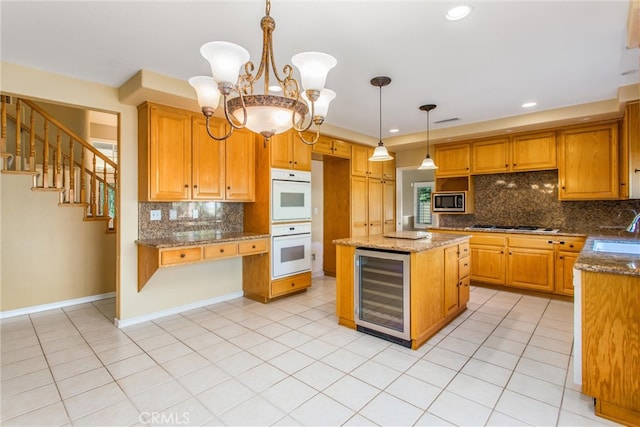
634,227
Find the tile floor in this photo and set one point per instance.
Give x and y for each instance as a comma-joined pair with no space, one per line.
504,362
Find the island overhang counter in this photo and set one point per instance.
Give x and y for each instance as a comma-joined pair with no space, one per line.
438,282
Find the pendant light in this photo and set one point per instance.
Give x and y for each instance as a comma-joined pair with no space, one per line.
427,163
380,154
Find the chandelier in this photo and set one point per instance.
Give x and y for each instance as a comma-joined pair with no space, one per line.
266,114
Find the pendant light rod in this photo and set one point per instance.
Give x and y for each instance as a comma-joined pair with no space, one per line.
428,162
380,154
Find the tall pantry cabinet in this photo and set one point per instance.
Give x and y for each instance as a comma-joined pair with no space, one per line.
372,194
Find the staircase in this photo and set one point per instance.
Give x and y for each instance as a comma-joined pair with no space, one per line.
58,160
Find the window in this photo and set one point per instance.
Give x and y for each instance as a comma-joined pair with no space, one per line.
422,202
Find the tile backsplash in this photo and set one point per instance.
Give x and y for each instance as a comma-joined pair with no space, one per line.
531,198
212,216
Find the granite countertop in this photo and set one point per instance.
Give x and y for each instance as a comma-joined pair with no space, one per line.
607,262
403,245
570,233
199,238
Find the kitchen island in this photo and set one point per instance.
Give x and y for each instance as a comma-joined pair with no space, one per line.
438,270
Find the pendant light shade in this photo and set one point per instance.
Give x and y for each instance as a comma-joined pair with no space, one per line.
428,163
380,154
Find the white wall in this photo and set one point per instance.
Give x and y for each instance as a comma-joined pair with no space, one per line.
169,288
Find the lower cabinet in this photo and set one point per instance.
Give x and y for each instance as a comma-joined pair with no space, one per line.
541,263
456,277
290,284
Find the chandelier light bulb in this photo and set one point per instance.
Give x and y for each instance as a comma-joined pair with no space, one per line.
206,91
225,59
313,67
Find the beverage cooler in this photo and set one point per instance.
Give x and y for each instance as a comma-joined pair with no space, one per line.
381,289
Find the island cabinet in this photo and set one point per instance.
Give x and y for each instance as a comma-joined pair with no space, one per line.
588,167
177,160
436,297
289,152
457,265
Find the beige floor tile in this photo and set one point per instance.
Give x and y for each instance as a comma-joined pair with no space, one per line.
239,363
23,367
119,353
203,379
254,411
50,415
321,410
376,374
386,409
444,357
526,409
185,364
190,412
536,389
144,380
344,360
17,343
398,360
224,396
75,367
123,413
68,355
414,391
93,400
459,410
488,372
130,366
21,354
288,394
432,373
474,389
26,382
36,398
261,377
159,398
169,352
82,382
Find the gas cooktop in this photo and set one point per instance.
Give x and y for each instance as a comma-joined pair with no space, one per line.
518,228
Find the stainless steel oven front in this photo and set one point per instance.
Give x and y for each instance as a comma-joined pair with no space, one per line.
290,249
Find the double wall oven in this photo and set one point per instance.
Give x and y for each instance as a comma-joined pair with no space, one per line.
290,222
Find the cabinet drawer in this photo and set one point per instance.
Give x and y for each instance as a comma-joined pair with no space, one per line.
570,245
221,250
464,250
341,149
290,284
180,256
531,243
252,247
479,239
464,267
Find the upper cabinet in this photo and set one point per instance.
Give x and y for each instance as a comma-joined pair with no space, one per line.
630,152
177,160
527,152
588,166
453,159
289,152
332,147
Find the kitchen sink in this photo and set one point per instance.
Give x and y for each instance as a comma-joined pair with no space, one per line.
631,248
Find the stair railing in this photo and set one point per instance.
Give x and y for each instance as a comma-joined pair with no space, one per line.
43,140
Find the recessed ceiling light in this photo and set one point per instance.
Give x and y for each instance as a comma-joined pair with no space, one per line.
458,12
529,104
394,130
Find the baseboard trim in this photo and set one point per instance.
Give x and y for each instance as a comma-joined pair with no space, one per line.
60,304
122,323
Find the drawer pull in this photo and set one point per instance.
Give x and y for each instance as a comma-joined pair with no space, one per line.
221,250
293,284
253,246
182,255
466,265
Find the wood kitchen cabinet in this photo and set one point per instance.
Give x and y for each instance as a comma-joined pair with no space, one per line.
610,337
177,160
372,206
388,206
456,277
361,166
289,152
332,147
488,258
588,167
630,152
526,152
530,264
452,159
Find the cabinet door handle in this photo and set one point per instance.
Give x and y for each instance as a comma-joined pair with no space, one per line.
501,252
221,250
465,264
550,242
510,253
514,164
253,246
195,186
507,165
186,186
293,284
228,188
636,170
561,257
182,255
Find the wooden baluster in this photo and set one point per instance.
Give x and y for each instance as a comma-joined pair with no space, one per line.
58,169
83,196
18,159
72,174
62,176
32,142
45,156
105,192
93,188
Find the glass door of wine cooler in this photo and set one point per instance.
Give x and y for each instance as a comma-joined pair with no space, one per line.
382,292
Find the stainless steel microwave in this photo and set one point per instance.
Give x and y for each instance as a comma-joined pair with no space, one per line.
454,201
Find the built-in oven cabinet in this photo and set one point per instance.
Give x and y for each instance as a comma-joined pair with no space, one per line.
290,196
289,152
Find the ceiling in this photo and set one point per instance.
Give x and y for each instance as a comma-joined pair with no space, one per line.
482,68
